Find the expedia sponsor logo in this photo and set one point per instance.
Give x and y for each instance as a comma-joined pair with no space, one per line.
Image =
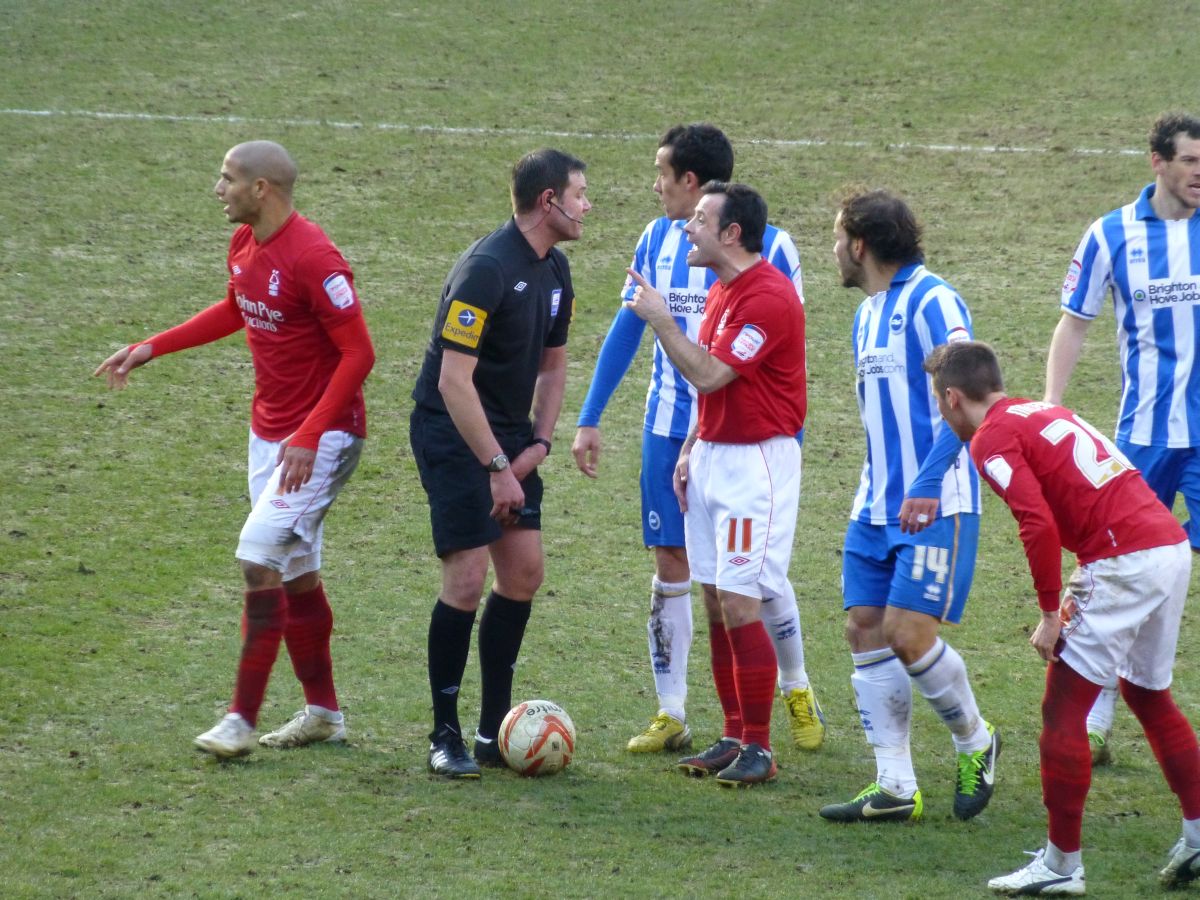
1172,292
874,365
464,324
258,314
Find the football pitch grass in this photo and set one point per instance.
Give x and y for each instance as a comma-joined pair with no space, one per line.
1008,126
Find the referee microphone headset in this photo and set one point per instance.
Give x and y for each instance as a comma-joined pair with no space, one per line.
564,212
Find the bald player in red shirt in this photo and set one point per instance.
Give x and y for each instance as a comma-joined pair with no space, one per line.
1069,486
293,293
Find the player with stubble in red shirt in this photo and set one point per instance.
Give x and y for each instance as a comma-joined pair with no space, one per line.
293,293
738,474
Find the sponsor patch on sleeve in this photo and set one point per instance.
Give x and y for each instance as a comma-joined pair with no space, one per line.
464,324
748,342
555,300
998,469
339,291
1072,280
957,333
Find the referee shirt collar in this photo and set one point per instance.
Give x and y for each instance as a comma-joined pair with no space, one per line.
515,235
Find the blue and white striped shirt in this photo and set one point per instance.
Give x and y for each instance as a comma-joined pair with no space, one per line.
661,258
910,450
1152,267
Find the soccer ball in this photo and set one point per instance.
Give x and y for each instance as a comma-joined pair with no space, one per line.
537,737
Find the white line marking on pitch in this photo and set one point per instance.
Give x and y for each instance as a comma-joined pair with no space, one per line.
544,133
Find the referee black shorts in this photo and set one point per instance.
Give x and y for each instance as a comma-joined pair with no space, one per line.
459,488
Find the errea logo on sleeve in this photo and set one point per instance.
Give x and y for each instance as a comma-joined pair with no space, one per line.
339,291
464,324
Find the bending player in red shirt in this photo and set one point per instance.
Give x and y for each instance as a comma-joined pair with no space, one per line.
293,292
1069,486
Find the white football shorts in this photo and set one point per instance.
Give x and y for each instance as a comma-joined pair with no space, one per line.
283,531
741,516
1122,616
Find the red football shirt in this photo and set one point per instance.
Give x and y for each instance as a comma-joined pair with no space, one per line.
1067,486
292,290
755,324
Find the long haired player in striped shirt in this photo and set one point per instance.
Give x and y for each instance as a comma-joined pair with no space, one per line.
909,553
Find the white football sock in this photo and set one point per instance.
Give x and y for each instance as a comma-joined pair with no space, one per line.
1100,716
884,694
941,677
670,636
1061,863
781,616
329,715
1191,832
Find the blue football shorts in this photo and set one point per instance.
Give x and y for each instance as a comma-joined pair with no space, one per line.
662,522
929,572
1171,471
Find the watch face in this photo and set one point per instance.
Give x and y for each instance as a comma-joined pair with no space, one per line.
499,463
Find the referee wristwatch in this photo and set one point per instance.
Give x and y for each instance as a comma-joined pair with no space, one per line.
498,464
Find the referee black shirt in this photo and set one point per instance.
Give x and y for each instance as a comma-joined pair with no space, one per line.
504,305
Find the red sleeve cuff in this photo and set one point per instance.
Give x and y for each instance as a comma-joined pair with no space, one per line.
1049,601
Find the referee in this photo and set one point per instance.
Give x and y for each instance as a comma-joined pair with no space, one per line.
487,398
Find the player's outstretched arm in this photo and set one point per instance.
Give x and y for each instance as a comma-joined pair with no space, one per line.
118,366
218,321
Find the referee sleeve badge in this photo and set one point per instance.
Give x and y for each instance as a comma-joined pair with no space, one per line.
464,324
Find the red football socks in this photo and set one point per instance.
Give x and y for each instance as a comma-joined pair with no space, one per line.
1172,740
262,629
754,670
309,626
722,667
1066,755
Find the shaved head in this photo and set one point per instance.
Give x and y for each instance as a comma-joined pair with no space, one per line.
267,160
